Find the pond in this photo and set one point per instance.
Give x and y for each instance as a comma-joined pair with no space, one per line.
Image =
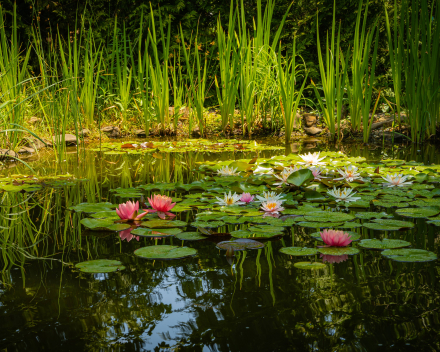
239,296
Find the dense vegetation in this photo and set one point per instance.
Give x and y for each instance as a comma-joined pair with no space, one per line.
127,62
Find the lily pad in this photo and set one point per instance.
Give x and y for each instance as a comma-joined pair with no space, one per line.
254,235
100,266
349,225
372,215
93,207
165,252
328,216
319,225
418,212
190,236
309,266
163,223
96,224
266,228
240,244
111,214
301,177
386,243
207,224
298,251
409,255
156,233
338,250
118,227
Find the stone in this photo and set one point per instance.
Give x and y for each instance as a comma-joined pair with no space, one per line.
6,154
140,133
26,150
69,139
84,132
34,120
311,131
37,144
111,131
309,120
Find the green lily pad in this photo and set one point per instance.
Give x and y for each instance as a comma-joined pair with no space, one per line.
409,255
372,215
418,212
254,235
233,219
190,236
96,224
354,236
118,227
301,177
394,223
92,207
163,223
157,233
100,266
328,216
338,250
309,266
266,228
165,252
110,214
298,251
240,244
386,243
207,224
319,225
349,225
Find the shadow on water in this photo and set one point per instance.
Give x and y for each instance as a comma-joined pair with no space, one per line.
258,301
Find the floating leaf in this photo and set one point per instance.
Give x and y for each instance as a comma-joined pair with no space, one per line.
301,177
298,251
266,228
207,224
100,266
92,207
386,243
372,215
418,212
165,252
109,214
409,255
309,266
163,223
240,244
319,225
190,236
156,233
338,250
96,224
327,216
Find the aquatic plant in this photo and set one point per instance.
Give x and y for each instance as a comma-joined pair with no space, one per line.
270,196
316,171
162,205
285,174
311,159
229,199
343,194
246,198
129,211
227,171
396,180
272,206
336,238
349,174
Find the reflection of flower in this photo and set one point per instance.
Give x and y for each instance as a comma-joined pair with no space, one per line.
334,258
126,235
229,199
349,174
285,174
162,205
343,195
396,180
246,198
273,207
311,159
316,171
336,238
270,196
129,210
227,171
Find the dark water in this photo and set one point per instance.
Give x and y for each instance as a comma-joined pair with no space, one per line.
259,303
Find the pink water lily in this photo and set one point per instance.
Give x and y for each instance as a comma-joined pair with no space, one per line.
129,211
162,205
126,235
335,238
246,198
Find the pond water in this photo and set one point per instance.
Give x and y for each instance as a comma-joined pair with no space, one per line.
257,300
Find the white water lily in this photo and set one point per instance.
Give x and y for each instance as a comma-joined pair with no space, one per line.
272,207
311,159
349,174
285,174
396,180
343,194
229,199
316,171
227,171
271,197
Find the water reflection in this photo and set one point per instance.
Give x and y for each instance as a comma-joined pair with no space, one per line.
257,302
